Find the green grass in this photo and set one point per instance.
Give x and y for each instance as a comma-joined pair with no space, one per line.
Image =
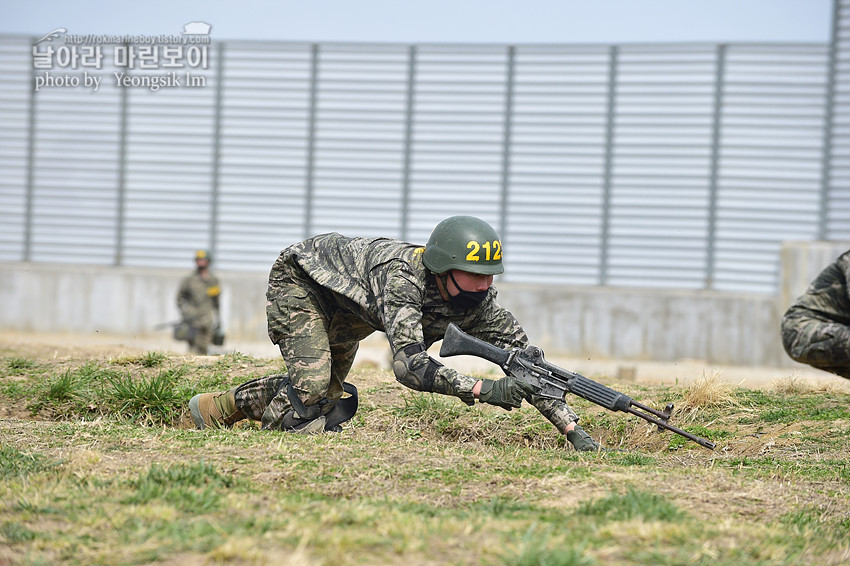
631,504
147,359
538,549
15,463
98,472
148,388
814,470
814,521
775,407
192,488
152,359
18,365
156,398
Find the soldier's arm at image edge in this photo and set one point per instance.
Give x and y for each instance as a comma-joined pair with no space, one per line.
845,268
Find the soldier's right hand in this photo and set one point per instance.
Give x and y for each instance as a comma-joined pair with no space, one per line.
507,392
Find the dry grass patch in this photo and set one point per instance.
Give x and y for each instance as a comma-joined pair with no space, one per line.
708,391
795,384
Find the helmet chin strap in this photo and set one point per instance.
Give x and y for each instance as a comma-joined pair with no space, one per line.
457,285
444,279
464,300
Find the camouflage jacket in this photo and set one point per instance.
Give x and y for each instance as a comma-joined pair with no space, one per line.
384,283
385,286
198,300
828,297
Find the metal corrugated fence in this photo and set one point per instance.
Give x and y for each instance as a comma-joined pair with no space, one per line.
836,204
676,165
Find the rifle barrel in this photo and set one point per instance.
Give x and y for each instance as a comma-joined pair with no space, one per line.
664,424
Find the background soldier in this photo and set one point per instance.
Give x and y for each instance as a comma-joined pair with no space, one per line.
816,329
329,292
198,301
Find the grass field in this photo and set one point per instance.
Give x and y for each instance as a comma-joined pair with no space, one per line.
99,466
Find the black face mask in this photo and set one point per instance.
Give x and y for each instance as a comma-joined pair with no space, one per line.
466,300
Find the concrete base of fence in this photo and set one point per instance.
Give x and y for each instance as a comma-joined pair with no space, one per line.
636,324
582,322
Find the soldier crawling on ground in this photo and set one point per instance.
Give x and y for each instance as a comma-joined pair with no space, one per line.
816,328
328,293
198,301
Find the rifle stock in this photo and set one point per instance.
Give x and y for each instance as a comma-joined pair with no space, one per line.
458,343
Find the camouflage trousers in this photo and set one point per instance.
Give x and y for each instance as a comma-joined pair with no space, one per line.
318,348
201,339
818,343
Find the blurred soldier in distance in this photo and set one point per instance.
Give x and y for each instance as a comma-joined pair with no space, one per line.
328,293
816,328
198,301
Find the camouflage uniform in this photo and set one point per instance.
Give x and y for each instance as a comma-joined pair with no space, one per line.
816,329
328,293
198,301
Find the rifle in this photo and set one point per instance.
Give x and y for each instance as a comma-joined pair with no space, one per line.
552,382
164,325
181,330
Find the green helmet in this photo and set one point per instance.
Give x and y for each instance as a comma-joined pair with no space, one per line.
203,254
465,243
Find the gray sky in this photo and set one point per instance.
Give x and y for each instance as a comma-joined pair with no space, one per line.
466,21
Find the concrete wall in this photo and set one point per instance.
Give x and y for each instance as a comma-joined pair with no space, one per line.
592,322
619,323
131,301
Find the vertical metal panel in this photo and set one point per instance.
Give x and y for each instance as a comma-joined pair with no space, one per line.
169,165
263,152
610,127
458,128
716,128
660,166
75,163
311,142
216,151
829,117
836,212
360,136
121,189
408,141
507,138
17,140
17,143
769,179
558,133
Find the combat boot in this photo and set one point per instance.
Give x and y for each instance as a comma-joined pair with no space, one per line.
215,410
291,423
582,441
